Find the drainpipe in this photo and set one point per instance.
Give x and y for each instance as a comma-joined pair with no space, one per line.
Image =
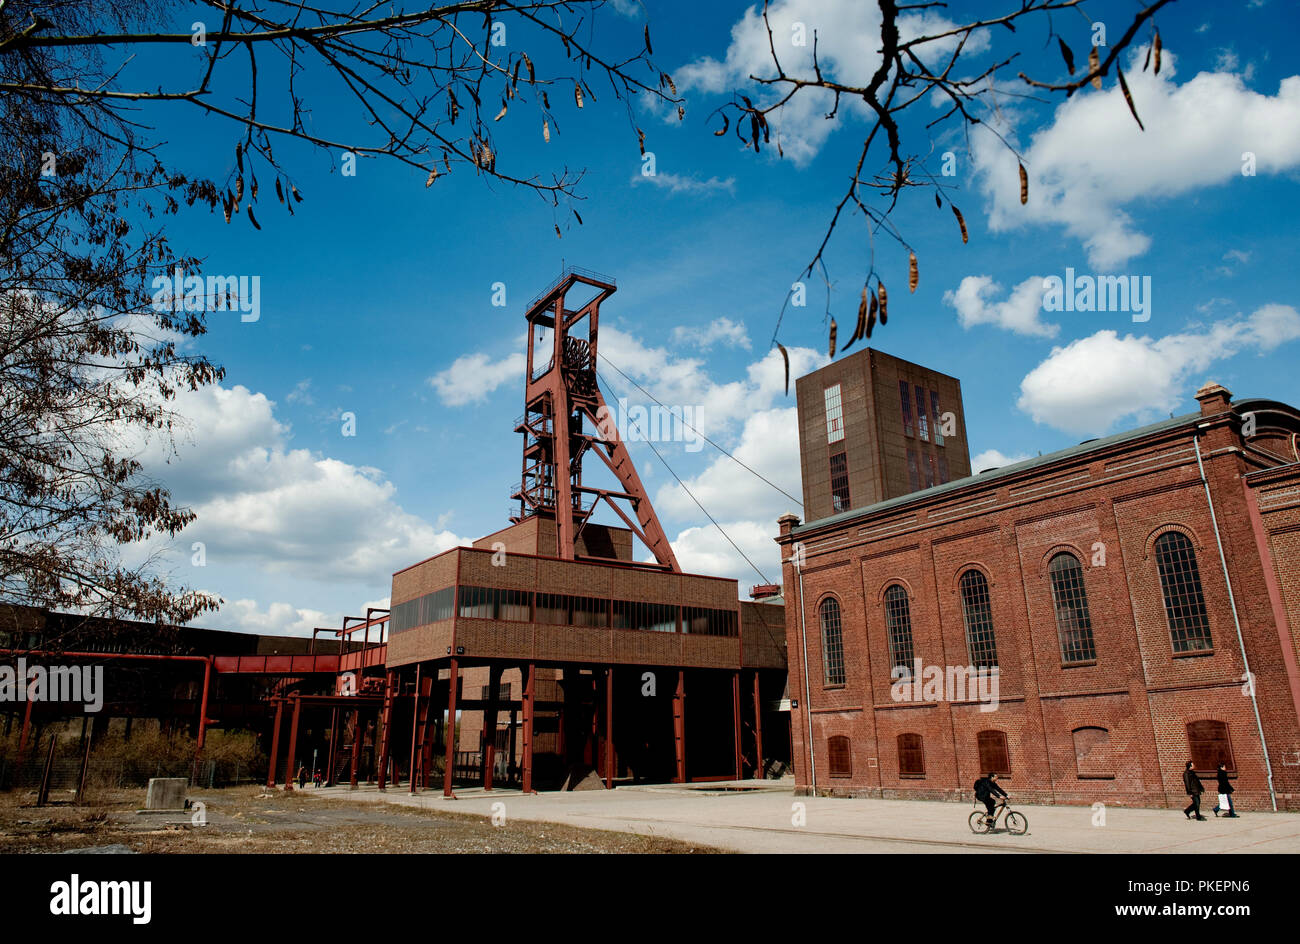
807,695
1236,621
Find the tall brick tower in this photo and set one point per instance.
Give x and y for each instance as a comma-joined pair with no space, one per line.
873,427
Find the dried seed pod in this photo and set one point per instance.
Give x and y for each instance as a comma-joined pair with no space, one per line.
871,317
1094,62
937,202
961,221
648,47
433,175
1157,45
1024,185
252,219
528,64
834,332
1067,55
577,94
1123,87
546,131
785,356
884,301
239,189
254,187
502,113
279,191
913,276
296,195
578,216
558,234
681,112
239,157
640,138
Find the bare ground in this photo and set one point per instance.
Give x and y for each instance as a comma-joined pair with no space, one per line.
254,820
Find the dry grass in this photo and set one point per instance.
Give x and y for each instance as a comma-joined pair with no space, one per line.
252,820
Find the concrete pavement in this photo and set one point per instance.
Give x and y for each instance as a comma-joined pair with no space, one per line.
765,816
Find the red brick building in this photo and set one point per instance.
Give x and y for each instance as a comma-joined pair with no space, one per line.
1120,588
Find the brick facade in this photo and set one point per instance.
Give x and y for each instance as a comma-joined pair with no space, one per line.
1113,728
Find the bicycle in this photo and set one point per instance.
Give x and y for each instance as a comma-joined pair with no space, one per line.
1014,823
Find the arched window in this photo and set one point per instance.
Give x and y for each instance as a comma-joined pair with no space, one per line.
994,756
898,619
977,612
832,642
1208,745
1092,755
1070,599
1180,583
911,756
841,756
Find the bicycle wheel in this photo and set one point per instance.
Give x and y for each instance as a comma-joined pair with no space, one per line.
1017,825
978,824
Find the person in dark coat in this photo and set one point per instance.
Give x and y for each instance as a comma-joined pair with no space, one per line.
1225,789
302,777
1192,784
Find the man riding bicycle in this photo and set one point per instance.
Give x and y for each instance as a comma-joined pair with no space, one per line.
986,790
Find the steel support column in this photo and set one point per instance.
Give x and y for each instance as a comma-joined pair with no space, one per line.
275,741
679,726
453,683
415,724
758,728
735,716
609,728
334,747
530,690
358,739
293,745
385,736
489,735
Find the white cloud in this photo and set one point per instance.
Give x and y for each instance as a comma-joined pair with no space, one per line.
1018,313
471,377
731,333
291,511
1092,160
301,393
848,40
995,459
278,619
703,550
679,183
1090,384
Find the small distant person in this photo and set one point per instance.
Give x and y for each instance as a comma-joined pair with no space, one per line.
315,779
302,777
1225,794
1192,784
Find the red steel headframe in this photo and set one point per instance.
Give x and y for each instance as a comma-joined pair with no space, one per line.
558,395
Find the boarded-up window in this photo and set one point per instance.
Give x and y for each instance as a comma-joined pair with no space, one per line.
841,758
911,756
1209,746
994,757
1092,756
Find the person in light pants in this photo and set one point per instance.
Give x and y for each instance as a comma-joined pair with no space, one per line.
1225,794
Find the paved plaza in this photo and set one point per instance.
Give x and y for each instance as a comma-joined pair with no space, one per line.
760,816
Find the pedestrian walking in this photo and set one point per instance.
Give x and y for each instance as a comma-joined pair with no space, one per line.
1225,794
302,777
1192,784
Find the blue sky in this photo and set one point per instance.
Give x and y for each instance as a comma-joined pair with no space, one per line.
376,297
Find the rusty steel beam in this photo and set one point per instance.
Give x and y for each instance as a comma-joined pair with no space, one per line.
293,745
530,692
758,727
275,742
453,683
735,715
385,736
609,727
679,726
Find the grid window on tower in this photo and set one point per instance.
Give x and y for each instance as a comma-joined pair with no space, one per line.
834,415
